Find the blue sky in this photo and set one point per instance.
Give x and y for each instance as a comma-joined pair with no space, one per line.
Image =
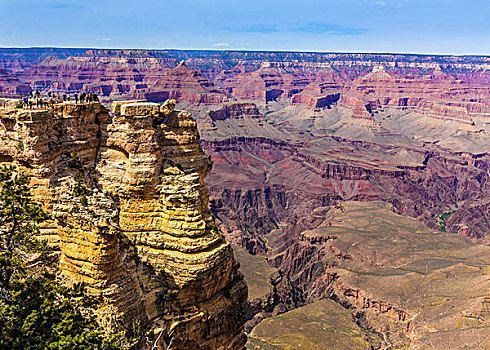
413,26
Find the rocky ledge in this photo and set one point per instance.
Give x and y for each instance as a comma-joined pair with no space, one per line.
130,216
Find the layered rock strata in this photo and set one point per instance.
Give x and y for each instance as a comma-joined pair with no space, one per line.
407,282
130,217
183,83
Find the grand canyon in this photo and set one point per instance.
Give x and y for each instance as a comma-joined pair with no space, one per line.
353,189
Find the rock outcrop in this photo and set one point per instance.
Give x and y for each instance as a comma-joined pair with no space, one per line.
130,217
291,133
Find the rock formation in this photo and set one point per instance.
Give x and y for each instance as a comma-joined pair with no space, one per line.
130,217
183,83
109,73
10,84
168,107
291,134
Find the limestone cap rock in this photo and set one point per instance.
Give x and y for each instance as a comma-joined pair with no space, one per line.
116,105
140,109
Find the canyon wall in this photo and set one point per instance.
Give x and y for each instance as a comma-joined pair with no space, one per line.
130,217
294,138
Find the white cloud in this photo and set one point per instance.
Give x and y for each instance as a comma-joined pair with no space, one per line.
221,45
382,4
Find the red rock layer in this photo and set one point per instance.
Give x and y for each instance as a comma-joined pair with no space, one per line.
185,84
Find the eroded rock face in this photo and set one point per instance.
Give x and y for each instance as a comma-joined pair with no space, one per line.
9,84
376,263
131,217
310,131
183,83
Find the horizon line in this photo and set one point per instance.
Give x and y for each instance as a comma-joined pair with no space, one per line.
248,50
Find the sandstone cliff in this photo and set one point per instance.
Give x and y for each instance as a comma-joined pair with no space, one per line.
130,217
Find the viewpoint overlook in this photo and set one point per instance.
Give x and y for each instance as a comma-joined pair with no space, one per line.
350,192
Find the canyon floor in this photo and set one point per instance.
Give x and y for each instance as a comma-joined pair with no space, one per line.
355,188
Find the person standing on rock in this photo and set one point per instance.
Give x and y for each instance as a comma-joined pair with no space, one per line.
76,98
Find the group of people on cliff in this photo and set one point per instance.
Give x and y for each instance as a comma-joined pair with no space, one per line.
35,100
85,97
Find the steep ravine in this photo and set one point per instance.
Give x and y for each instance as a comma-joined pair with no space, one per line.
397,277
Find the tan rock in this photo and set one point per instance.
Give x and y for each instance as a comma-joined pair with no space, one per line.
145,240
168,107
140,109
116,105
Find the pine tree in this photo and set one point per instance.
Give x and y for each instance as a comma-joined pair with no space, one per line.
20,251
36,312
